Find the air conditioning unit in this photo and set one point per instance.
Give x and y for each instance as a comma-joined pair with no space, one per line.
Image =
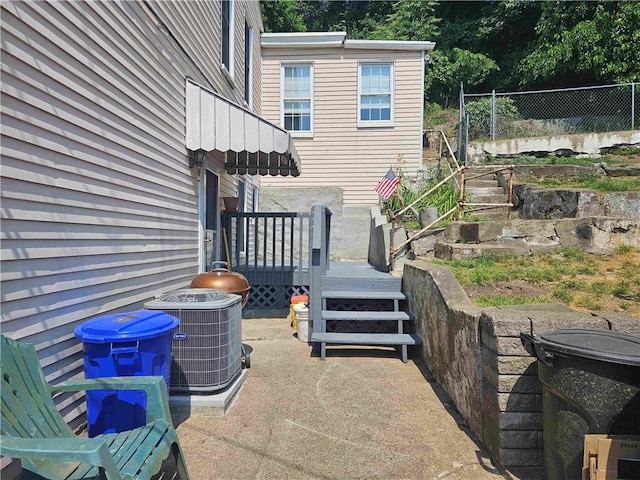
207,345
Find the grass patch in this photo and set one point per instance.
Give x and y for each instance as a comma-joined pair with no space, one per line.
618,157
571,276
499,300
587,180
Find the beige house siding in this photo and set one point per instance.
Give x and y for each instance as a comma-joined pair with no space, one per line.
341,153
99,208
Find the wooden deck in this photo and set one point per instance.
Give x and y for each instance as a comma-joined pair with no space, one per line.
354,269
350,303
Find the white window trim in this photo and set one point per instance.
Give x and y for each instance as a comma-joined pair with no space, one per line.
297,133
228,69
249,101
378,123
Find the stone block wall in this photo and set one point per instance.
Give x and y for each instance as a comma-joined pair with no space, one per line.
533,202
349,224
478,357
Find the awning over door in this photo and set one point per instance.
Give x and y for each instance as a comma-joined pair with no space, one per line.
252,145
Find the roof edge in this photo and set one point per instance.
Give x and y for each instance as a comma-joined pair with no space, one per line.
303,39
389,45
338,39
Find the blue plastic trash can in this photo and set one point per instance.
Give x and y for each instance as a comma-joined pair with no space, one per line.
126,344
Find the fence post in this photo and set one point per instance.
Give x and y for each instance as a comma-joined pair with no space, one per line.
633,106
460,120
493,115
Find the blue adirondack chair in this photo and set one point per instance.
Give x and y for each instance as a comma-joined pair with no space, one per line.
34,431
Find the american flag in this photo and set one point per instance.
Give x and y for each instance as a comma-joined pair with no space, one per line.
388,185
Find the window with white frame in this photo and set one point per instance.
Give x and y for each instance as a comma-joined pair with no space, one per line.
248,65
297,98
227,36
375,94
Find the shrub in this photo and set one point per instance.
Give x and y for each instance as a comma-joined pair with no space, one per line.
479,113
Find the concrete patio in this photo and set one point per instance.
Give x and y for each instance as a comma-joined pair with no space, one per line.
362,413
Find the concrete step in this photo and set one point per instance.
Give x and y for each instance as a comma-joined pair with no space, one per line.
468,251
485,190
480,182
365,316
476,232
501,198
493,214
363,295
472,172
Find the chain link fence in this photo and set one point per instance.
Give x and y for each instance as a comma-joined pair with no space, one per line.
499,116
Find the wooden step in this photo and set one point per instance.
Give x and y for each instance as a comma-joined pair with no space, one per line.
357,284
364,316
367,338
363,295
388,339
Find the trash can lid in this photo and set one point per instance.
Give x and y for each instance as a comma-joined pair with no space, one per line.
193,298
124,327
603,345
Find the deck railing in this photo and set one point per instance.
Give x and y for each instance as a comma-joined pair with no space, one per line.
270,248
280,253
320,254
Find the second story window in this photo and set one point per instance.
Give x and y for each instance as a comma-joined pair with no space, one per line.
227,36
375,94
248,65
297,98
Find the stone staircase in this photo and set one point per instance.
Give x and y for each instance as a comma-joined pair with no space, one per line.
361,306
485,189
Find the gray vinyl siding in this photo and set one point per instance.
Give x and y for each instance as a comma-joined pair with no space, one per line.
203,44
341,154
99,207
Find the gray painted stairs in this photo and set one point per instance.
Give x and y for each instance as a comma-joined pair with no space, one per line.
360,290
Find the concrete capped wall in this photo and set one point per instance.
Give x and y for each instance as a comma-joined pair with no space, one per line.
349,225
478,358
585,143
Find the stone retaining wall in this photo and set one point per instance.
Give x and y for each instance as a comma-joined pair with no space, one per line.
533,202
478,358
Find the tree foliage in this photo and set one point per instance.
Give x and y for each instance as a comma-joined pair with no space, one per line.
408,20
282,16
450,68
488,44
584,43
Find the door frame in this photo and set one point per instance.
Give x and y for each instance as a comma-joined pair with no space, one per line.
202,215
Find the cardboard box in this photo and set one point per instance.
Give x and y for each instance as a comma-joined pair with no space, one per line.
606,456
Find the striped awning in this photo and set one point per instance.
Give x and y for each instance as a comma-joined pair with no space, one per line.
251,144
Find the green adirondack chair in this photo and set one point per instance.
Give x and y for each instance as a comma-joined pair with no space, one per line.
34,431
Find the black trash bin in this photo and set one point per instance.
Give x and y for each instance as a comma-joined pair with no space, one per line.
591,384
